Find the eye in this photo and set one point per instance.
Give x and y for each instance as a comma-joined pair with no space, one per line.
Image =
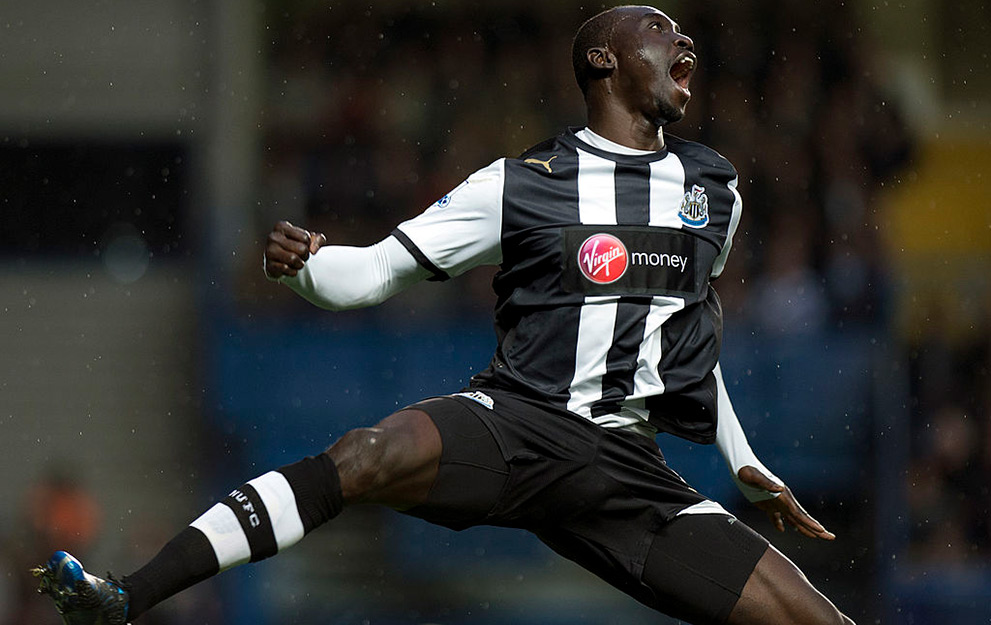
655,25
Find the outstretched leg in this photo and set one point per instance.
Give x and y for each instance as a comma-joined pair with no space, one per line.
778,592
393,463
712,568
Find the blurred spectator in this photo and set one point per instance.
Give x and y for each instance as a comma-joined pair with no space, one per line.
949,492
948,489
789,296
58,513
62,514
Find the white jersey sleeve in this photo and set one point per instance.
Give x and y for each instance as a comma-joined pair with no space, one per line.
734,221
463,229
733,445
341,278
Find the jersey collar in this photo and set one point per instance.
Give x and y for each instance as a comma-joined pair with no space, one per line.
571,138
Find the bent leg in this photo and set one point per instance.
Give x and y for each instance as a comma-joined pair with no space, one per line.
393,464
778,592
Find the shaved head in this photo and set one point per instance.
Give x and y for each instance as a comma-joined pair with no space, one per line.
596,32
633,65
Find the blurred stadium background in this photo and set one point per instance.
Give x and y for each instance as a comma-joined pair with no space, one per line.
146,366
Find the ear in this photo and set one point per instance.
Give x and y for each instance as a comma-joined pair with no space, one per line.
601,58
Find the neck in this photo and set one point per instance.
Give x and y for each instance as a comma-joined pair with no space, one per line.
621,126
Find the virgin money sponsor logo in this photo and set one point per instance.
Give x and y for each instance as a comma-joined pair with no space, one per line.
602,258
633,260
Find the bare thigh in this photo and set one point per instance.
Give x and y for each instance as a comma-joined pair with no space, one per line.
777,592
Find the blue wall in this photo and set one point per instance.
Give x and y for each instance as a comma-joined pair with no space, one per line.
288,390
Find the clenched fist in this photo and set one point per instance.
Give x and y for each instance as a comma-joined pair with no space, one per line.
287,249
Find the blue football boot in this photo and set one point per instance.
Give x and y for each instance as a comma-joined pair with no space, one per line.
81,598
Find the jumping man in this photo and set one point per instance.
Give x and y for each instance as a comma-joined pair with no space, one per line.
607,239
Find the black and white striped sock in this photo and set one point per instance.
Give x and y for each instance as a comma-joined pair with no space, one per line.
255,521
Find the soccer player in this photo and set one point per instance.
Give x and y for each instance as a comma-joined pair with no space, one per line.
608,331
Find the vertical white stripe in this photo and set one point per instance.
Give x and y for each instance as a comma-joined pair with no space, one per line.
226,537
280,502
647,381
667,190
596,189
595,333
596,205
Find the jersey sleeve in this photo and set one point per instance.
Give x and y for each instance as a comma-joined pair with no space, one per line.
461,230
734,221
337,277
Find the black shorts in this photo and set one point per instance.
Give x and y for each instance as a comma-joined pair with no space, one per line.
600,497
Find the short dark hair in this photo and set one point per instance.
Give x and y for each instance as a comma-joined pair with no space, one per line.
596,32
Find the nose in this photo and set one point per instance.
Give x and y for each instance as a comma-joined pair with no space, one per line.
684,41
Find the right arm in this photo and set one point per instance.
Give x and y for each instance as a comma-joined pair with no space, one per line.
458,232
337,277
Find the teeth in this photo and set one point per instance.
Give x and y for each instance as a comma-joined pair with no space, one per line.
689,60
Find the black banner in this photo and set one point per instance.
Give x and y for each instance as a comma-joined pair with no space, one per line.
632,260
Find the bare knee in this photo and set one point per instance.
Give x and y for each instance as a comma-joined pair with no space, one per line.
778,592
361,457
392,463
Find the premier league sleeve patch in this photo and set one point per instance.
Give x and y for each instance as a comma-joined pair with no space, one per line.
633,260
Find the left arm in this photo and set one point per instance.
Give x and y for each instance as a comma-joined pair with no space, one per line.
764,489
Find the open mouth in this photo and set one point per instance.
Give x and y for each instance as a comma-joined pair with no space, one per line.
681,71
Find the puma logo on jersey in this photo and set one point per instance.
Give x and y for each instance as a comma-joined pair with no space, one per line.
546,164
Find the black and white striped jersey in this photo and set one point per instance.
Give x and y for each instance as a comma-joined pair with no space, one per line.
604,303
